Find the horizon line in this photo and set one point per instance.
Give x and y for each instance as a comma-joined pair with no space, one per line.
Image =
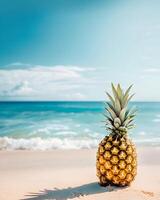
45,101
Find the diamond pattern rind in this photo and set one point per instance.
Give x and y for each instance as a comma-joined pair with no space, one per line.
116,161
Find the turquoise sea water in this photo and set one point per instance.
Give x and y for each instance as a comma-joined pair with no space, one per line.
68,125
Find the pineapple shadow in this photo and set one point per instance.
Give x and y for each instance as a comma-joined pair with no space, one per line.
71,192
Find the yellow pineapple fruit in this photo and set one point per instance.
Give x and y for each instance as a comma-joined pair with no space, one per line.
116,157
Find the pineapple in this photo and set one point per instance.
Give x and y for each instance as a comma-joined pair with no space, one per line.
116,157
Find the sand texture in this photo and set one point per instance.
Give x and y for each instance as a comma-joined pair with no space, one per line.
70,174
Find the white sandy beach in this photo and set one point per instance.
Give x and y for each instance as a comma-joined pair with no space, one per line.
70,174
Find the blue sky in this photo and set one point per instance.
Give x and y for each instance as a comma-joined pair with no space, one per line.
73,50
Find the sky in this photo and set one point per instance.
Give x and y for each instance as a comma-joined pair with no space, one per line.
74,49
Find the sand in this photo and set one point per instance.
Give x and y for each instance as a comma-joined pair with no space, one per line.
70,174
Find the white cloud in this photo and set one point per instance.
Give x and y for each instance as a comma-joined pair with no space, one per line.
22,89
43,82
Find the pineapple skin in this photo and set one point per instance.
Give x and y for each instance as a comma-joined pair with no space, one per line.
116,161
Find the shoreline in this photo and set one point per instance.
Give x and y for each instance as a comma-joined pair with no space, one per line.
71,174
51,144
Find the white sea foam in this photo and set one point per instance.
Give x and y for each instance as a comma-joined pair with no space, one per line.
49,129
91,140
45,144
86,130
65,133
156,120
38,143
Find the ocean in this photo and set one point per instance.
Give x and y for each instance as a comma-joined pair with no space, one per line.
69,125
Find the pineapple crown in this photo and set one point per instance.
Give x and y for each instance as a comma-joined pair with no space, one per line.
119,118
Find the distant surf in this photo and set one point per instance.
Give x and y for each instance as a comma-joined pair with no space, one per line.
38,143
68,125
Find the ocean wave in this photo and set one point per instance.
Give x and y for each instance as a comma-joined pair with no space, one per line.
156,120
49,129
38,143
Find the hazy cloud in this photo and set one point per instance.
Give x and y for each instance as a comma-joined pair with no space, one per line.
55,82
21,89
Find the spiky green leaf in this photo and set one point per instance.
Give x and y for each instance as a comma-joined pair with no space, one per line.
129,98
120,93
117,120
110,98
122,114
128,90
111,112
110,105
114,92
127,121
117,106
